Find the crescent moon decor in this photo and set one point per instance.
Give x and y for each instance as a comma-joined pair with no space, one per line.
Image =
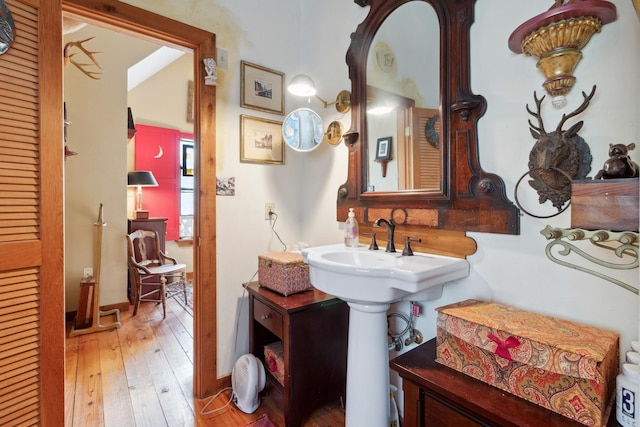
7,28
160,153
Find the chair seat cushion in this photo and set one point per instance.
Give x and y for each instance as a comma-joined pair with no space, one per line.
167,268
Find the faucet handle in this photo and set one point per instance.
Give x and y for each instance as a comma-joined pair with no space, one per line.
374,245
407,246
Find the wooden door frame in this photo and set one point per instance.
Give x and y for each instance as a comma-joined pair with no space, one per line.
147,25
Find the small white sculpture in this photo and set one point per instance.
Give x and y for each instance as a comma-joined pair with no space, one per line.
211,79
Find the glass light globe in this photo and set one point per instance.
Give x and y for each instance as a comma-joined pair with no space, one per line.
302,85
559,101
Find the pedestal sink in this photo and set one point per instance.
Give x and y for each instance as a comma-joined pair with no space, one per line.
369,281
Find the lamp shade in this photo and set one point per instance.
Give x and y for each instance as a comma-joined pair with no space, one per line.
141,179
302,85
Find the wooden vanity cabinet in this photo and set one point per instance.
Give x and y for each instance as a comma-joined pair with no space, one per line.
435,395
313,327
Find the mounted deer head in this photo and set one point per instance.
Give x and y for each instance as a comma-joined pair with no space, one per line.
558,157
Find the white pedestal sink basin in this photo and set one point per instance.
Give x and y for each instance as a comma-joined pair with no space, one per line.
370,281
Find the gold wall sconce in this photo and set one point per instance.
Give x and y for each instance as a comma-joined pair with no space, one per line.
303,85
335,132
557,38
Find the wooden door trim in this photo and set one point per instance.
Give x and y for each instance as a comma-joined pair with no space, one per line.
51,216
141,23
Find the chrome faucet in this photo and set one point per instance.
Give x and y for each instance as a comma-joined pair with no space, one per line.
391,226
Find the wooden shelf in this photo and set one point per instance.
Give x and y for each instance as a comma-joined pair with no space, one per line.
183,243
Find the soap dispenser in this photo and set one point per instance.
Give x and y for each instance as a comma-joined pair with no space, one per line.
351,230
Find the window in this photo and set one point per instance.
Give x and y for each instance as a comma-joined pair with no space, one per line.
187,164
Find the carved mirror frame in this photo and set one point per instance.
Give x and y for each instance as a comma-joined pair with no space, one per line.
472,199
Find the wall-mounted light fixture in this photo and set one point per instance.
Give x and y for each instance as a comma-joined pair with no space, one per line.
302,85
141,179
557,37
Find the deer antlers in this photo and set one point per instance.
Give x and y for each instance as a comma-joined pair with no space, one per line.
536,131
80,66
578,110
539,129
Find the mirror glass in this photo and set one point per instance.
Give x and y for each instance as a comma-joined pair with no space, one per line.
403,101
302,129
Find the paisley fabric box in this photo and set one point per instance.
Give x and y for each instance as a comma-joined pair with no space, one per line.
561,365
283,272
274,360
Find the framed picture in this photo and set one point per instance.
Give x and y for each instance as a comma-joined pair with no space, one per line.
187,160
261,88
261,141
383,148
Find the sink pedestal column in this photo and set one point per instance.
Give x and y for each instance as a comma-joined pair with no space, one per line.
367,366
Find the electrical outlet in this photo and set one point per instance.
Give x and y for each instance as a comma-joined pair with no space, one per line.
88,272
269,208
223,58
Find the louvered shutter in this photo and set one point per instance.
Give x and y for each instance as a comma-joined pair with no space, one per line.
426,158
31,287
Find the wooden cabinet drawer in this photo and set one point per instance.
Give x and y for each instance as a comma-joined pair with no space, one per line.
268,317
439,413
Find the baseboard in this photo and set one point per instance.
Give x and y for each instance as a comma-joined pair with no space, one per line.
223,382
122,306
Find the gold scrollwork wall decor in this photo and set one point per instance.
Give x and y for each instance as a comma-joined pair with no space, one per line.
557,38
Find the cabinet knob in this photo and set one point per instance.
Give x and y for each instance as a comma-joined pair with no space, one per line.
266,316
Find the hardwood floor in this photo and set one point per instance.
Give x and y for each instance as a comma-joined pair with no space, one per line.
142,375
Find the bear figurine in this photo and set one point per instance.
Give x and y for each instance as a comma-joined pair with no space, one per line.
619,164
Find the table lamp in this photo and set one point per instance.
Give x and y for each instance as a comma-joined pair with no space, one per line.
141,179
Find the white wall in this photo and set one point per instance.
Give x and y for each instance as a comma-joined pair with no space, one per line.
97,110
509,269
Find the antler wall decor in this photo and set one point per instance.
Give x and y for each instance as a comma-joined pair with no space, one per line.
557,157
68,58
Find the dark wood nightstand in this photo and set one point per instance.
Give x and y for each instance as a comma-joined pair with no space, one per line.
313,327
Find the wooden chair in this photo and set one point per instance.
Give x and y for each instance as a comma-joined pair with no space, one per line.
151,270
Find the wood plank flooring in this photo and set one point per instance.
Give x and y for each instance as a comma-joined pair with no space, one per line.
142,375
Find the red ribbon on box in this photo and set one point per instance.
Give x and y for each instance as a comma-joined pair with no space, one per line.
503,346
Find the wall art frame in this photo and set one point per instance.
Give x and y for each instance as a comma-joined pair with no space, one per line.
261,141
383,148
261,88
